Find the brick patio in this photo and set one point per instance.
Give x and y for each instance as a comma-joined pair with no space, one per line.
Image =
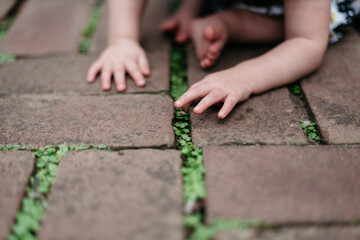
259,163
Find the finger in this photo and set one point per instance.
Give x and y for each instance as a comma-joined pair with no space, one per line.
106,77
144,65
209,100
229,104
169,25
136,74
190,95
182,36
119,76
93,71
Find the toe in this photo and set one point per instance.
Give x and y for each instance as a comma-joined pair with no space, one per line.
211,33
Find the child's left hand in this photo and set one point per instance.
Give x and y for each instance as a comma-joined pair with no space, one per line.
228,86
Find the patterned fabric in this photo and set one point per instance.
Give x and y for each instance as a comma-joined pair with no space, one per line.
343,12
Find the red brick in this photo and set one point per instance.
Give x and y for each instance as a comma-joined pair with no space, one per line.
15,172
318,233
5,6
47,27
109,195
122,121
67,75
283,184
333,93
267,118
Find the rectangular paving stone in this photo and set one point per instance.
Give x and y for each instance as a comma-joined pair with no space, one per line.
266,118
295,233
66,75
48,27
333,93
15,172
151,39
119,121
116,195
283,184
5,6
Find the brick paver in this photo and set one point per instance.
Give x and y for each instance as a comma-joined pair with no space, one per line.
333,93
283,184
318,233
122,121
151,39
268,118
5,6
15,171
109,195
67,75
46,27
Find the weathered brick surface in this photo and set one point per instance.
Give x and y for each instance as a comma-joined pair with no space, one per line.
151,39
126,121
46,27
283,184
109,195
333,93
5,6
268,118
67,75
15,171
323,233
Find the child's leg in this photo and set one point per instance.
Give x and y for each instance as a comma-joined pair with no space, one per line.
210,34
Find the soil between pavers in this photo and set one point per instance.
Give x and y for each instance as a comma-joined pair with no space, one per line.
266,118
132,194
118,121
66,75
333,93
5,6
283,184
304,233
15,172
47,27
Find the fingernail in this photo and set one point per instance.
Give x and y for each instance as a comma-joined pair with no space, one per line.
221,115
177,104
196,109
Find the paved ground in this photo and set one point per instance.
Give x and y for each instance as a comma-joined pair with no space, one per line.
259,163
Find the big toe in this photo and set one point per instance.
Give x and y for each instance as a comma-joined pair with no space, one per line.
212,33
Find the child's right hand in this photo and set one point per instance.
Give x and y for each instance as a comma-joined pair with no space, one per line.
126,56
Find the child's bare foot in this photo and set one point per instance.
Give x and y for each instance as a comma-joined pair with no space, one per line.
209,36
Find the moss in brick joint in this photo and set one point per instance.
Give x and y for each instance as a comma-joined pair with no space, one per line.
28,218
89,30
4,27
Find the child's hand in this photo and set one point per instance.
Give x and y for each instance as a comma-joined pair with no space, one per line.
179,23
228,86
126,56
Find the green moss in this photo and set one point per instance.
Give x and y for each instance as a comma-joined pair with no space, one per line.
28,218
309,129
4,27
89,30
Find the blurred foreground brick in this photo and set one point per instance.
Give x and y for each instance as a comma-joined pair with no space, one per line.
116,195
15,172
303,233
283,184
